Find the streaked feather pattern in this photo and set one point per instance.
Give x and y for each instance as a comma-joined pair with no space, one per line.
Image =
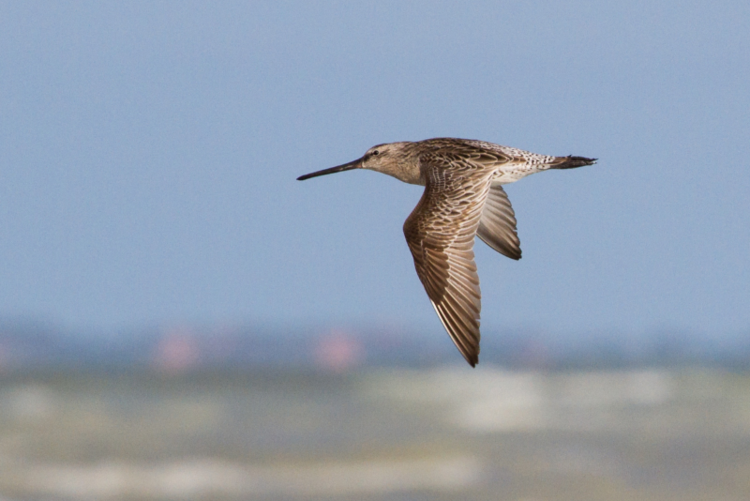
440,233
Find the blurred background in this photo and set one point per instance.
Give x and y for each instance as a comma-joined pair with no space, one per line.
181,319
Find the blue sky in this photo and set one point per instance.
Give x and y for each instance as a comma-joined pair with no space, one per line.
148,156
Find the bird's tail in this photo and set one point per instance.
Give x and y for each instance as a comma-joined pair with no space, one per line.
571,162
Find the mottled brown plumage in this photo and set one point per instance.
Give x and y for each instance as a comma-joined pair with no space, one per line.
463,197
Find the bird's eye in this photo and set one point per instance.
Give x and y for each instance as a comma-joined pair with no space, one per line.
376,152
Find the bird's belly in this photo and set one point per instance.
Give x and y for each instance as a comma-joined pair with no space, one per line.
513,172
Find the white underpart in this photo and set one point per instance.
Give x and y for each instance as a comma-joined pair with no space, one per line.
512,172
530,163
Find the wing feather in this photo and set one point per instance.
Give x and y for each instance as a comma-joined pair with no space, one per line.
440,233
497,227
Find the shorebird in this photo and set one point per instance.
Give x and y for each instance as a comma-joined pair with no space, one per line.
463,197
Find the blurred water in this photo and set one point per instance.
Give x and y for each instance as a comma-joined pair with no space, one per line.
448,433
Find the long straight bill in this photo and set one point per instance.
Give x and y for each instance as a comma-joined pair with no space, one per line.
349,166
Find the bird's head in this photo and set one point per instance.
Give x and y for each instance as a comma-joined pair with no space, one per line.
391,158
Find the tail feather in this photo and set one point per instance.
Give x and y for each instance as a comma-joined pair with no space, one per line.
571,162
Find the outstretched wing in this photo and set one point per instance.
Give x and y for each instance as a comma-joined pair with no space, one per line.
497,227
440,232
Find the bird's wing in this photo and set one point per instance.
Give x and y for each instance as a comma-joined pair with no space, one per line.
497,227
440,232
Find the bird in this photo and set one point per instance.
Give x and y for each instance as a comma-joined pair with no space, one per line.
463,198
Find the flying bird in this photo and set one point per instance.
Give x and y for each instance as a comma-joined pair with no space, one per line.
463,197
